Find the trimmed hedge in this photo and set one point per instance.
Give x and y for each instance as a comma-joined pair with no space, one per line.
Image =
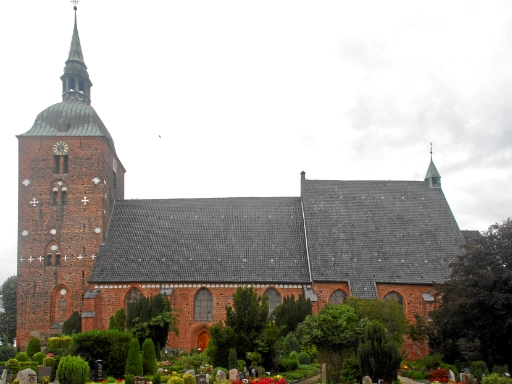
73,370
39,357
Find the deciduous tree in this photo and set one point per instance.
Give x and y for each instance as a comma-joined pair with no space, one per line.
8,309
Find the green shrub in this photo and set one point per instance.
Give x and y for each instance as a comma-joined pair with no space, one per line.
148,357
350,372
129,379
214,372
433,361
496,378
22,357
452,368
39,357
133,361
189,379
157,378
34,346
45,380
73,370
14,365
110,346
111,379
73,324
51,362
426,375
417,376
290,344
304,358
7,352
479,368
500,369
232,359
59,343
293,375
241,365
177,380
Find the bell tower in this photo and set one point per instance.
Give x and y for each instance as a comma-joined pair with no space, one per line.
69,179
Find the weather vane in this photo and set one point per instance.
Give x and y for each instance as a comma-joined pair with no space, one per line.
431,149
75,2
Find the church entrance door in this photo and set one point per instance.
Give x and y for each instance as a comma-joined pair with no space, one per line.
202,341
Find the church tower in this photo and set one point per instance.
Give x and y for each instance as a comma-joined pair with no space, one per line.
69,179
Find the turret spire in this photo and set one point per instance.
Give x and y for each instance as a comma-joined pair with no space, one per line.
76,84
433,177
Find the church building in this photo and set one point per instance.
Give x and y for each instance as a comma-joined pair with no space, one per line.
83,247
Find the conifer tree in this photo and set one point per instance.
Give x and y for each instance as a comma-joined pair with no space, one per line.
232,359
73,324
133,361
34,346
291,313
148,357
118,321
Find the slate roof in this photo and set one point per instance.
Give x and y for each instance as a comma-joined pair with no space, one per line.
470,234
69,118
366,232
224,240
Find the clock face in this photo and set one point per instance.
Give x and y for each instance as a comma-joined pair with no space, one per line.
60,148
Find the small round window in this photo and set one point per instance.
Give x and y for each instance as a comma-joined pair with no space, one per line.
63,291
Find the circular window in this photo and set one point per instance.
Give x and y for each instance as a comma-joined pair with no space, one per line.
54,247
63,291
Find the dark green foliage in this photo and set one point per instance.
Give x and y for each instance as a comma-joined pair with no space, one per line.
7,351
477,299
290,344
291,362
8,315
109,346
118,320
417,376
479,368
129,379
73,324
376,356
14,365
34,346
151,317
157,378
304,358
73,370
214,372
51,362
148,357
133,361
60,343
22,357
291,313
387,312
433,360
189,379
350,372
500,369
241,364
232,359
39,357
158,351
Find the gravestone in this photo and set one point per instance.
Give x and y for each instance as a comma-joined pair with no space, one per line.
43,370
254,373
8,374
139,380
207,378
4,377
98,371
201,379
381,381
233,375
220,375
27,376
324,373
367,380
242,375
464,378
451,375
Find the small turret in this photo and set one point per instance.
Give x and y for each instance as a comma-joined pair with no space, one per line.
433,177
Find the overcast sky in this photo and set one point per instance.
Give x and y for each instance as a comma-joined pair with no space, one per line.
236,98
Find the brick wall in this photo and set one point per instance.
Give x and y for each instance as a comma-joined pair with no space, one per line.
70,233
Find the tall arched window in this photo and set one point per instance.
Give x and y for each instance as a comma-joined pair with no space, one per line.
394,296
203,305
133,295
274,299
338,297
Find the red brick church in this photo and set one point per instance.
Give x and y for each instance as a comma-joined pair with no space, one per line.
82,247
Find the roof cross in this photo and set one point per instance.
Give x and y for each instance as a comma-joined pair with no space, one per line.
85,200
34,202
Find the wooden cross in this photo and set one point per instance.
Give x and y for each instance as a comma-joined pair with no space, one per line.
31,259
40,258
34,202
80,257
22,259
85,200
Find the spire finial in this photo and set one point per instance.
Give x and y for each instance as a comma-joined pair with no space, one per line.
430,149
75,2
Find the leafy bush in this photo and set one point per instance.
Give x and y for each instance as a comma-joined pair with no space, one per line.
34,346
189,379
111,379
51,362
14,365
417,376
7,352
290,344
304,358
479,368
110,346
241,365
73,370
73,324
441,373
133,361
223,381
22,356
59,343
433,361
39,357
496,378
157,378
129,379
426,375
148,357
232,359
177,380
214,372
500,369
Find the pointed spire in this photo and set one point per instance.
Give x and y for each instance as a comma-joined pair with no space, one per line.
433,177
76,85
75,51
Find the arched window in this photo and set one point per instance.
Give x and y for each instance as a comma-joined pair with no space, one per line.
203,305
394,296
133,295
338,297
62,303
274,299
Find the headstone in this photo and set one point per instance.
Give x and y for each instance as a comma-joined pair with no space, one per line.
139,380
201,379
4,377
43,370
220,374
98,371
191,372
451,375
246,371
207,378
464,378
324,373
233,375
27,376
367,380
381,381
242,375
254,373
